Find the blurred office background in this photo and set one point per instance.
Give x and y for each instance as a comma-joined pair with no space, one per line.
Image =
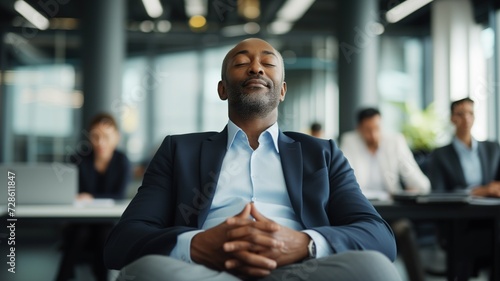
155,65
157,70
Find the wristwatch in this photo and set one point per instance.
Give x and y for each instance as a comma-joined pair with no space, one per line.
311,248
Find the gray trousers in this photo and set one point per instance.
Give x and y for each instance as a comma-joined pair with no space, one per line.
348,266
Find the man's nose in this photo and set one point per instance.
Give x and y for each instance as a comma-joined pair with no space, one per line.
255,68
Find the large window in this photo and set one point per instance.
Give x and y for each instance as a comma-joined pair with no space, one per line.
41,102
400,79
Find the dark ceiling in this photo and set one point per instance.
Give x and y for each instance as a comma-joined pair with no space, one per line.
320,19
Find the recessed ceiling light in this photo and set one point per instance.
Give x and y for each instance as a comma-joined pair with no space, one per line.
32,15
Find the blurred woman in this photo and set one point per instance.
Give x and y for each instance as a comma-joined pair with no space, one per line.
103,173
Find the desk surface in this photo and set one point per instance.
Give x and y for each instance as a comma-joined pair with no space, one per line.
388,210
437,211
113,211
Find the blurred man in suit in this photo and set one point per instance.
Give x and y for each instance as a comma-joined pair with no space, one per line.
466,164
251,202
470,166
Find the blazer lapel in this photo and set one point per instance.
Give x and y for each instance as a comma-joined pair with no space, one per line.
212,154
483,158
455,166
291,161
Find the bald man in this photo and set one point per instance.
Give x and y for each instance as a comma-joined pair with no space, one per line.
251,202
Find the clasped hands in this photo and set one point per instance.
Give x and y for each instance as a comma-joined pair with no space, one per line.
249,247
490,190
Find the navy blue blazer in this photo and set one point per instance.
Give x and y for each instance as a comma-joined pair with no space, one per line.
180,182
446,173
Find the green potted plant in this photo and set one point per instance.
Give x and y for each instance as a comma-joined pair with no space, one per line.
422,129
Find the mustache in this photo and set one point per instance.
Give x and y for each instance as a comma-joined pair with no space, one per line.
267,81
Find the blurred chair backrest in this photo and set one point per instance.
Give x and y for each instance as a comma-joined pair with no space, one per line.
40,183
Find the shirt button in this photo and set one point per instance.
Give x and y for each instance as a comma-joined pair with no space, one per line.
254,199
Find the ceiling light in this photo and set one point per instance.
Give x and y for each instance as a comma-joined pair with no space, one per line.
251,27
280,27
288,14
147,26
293,10
251,12
404,9
376,28
197,22
195,7
32,15
249,9
153,8
240,29
163,26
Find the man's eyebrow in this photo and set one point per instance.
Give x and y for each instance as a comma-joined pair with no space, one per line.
242,52
265,52
269,53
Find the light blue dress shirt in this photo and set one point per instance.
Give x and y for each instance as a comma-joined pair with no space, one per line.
249,175
470,162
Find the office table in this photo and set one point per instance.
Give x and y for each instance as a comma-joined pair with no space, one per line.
453,213
38,231
69,213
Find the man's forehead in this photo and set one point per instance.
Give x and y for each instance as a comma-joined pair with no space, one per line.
252,46
465,106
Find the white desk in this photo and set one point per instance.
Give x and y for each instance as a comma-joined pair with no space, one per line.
68,211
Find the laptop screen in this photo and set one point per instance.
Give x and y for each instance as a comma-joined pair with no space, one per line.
40,183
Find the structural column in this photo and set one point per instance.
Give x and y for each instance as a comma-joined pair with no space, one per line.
358,52
103,44
6,154
495,104
459,63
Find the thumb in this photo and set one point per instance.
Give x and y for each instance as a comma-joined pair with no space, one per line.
271,225
245,213
256,214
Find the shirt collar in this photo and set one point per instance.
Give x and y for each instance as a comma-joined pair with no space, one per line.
459,145
233,129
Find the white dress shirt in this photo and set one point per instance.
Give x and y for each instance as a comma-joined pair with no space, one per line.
395,163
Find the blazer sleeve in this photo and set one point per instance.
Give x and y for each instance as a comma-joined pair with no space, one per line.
497,160
437,172
409,170
147,225
354,222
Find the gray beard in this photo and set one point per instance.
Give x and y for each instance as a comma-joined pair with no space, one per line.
251,106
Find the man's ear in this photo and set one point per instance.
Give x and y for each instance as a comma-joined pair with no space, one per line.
221,88
283,92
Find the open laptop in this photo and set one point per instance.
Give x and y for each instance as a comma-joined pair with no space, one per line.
40,183
457,197
444,198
